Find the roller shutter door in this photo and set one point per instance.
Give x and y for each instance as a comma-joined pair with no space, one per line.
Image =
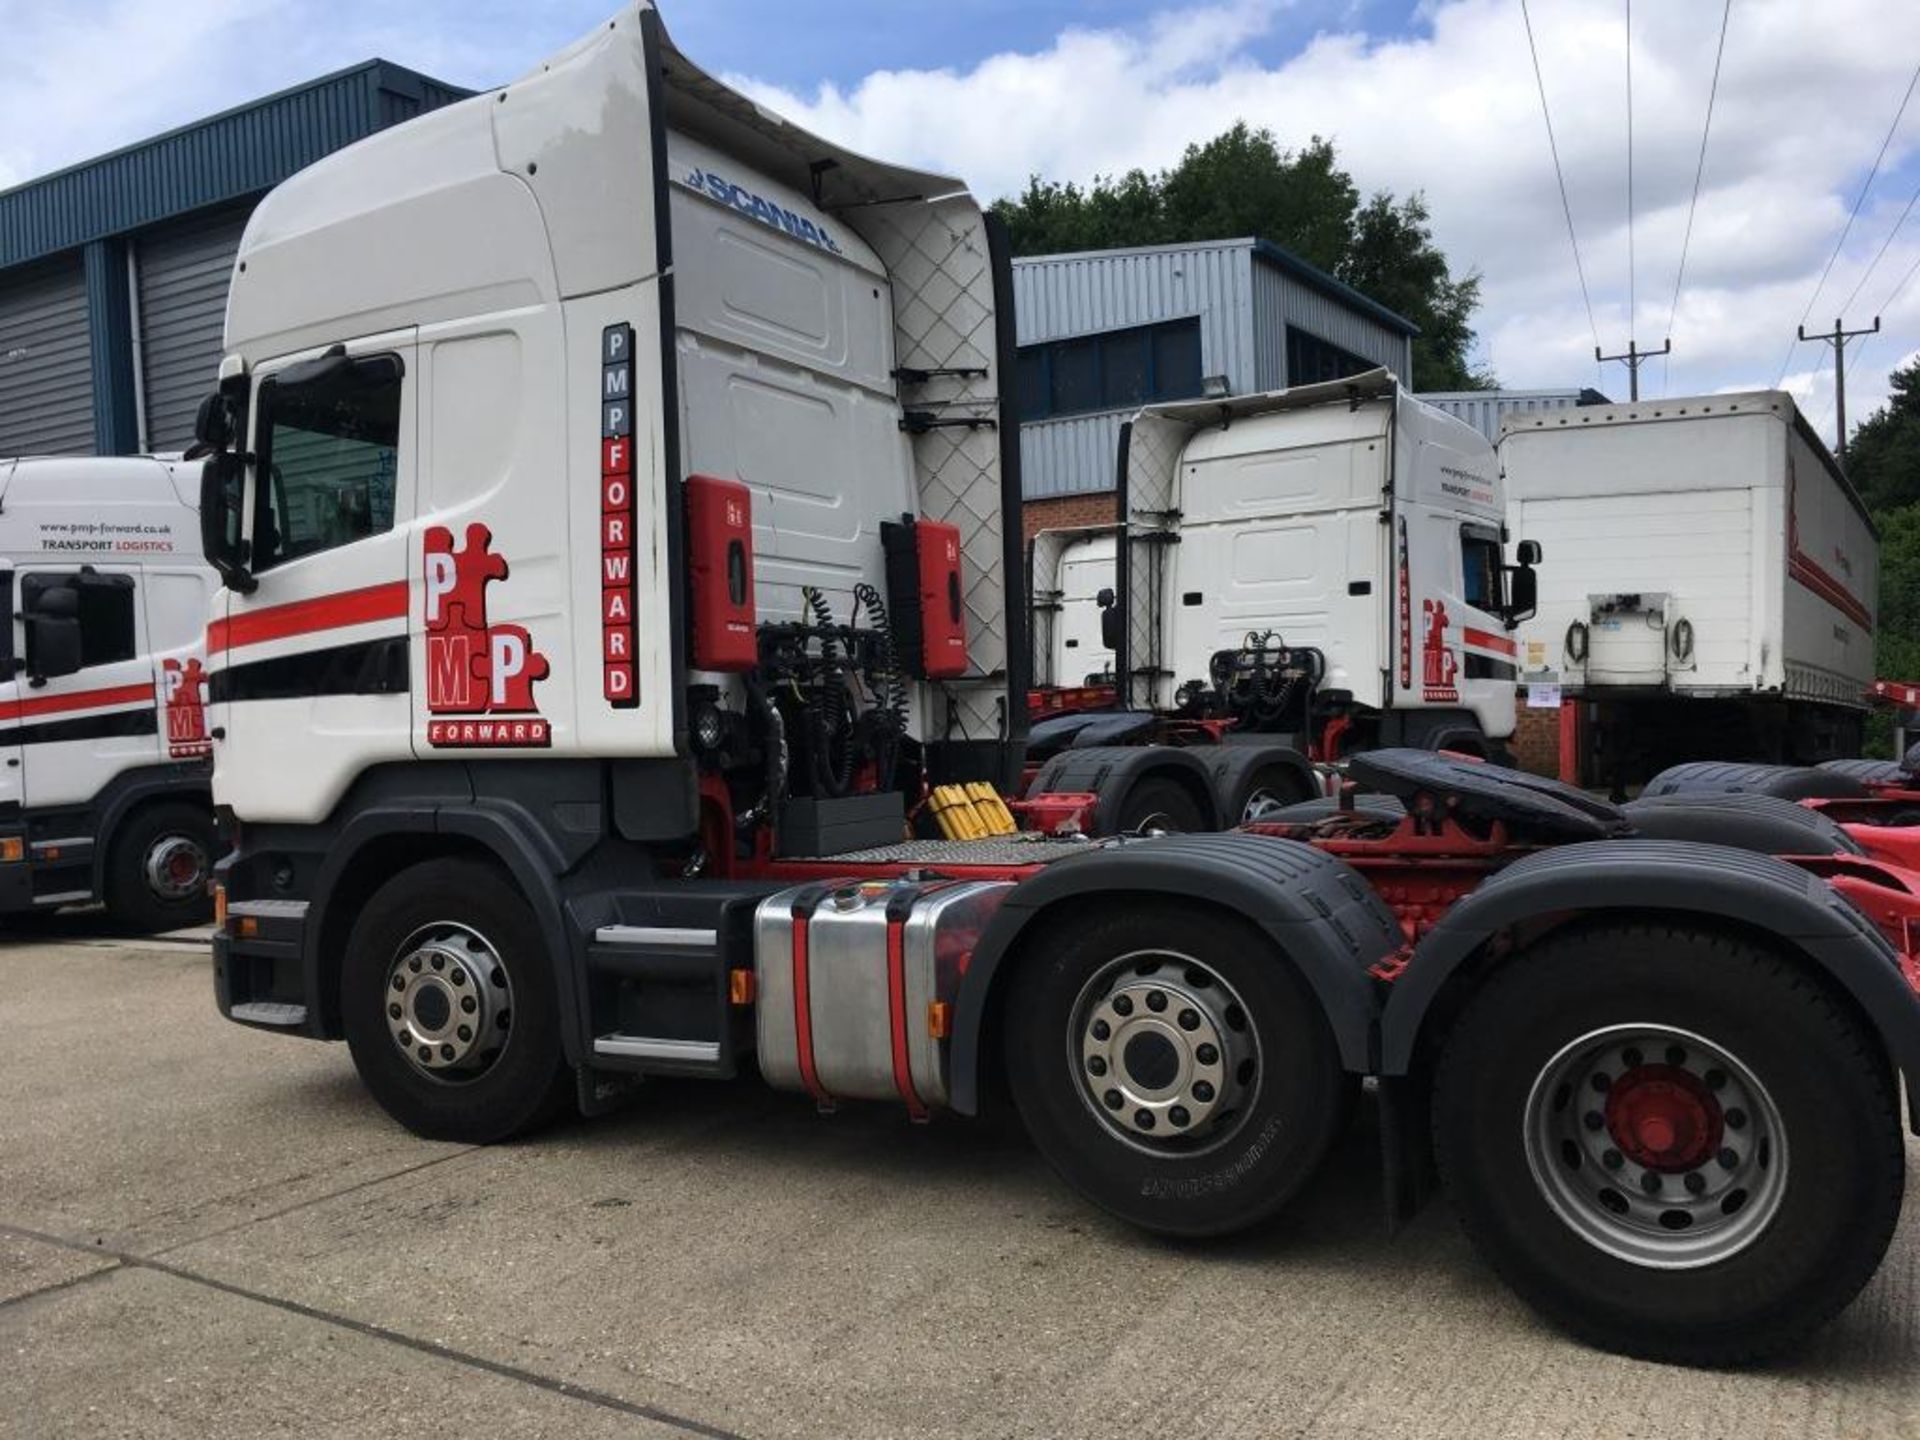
183,270
46,361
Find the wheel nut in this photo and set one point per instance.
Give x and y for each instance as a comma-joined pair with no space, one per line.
446,1052
1189,1019
1123,1005
1695,1182
393,1011
1156,1001
1102,1030
1728,1158
469,1004
1179,1117
459,976
465,1032
426,1053
439,962
1111,1100
399,982
1650,1183
1612,1159
1207,1054
1736,1119
1202,1091
1096,1066
414,964
1144,1119
1716,1079
1631,1056
1676,1054
1593,1120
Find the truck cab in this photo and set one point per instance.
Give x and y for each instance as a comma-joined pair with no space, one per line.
1328,556
104,771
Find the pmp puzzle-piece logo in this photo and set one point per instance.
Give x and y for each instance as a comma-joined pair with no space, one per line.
183,694
473,668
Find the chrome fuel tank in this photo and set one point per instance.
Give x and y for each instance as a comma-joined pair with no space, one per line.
855,981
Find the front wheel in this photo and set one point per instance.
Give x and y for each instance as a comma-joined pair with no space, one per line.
1173,1067
1673,1143
449,1005
158,867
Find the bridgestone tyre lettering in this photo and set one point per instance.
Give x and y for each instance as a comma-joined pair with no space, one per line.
528,1083
1297,1101
1820,1068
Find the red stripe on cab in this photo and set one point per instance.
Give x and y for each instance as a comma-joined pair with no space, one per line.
302,617
1487,640
78,700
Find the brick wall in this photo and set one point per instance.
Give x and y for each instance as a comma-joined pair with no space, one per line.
1536,739
1060,511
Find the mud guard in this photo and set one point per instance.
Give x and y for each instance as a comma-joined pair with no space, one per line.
1231,768
1110,771
1679,878
1317,909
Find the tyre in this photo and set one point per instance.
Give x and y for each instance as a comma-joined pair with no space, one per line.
1158,802
158,866
449,1005
1672,1143
1787,782
1173,1068
1269,789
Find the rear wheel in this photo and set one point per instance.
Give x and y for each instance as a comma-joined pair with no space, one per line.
1671,1142
158,868
448,1001
1157,802
1265,793
1173,1068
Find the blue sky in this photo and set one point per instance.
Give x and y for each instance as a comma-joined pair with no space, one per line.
1429,95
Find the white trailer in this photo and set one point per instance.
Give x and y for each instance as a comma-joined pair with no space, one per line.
1714,580
104,752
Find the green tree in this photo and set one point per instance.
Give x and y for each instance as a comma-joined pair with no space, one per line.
1883,457
1242,183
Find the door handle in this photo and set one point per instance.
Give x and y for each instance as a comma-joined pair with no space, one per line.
13,762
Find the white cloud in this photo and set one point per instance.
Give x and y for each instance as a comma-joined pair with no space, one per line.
1805,96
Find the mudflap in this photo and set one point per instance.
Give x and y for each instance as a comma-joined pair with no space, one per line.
601,1092
1407,1177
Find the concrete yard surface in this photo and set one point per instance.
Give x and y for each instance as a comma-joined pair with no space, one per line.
206,1231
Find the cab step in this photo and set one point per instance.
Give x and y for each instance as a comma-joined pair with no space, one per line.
660,1001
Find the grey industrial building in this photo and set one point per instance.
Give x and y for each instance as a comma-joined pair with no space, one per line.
1102,332
1486,410
113,273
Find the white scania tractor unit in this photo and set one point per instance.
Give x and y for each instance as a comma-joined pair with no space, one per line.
616,509
104,773
1713,589
1321,568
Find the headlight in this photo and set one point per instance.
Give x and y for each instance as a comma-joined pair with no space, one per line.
709,727
1577,642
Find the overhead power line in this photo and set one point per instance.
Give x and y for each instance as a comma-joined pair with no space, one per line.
1560,175
1878,256
1852,215
1699,169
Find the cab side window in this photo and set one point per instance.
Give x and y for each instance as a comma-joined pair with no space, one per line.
105,612
329,452
1480,570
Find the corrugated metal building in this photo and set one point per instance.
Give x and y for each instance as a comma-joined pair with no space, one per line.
113,273
1102,332
1485,409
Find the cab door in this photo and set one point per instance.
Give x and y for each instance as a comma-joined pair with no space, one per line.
79,730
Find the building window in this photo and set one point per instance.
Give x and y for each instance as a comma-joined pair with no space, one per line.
1311,359
1117,370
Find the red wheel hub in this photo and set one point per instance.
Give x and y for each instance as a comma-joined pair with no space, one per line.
1663,1118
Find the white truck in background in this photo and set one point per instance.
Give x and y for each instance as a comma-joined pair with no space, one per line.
1322,568
1713,589
105,778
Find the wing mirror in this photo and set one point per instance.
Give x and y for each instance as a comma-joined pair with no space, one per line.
223,487
1523,584
53,634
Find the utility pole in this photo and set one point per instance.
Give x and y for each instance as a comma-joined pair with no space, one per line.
1838,337
1633,360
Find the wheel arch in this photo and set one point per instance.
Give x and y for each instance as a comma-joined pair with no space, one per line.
1729,889
137,790
381,843
1231,768
1318,911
